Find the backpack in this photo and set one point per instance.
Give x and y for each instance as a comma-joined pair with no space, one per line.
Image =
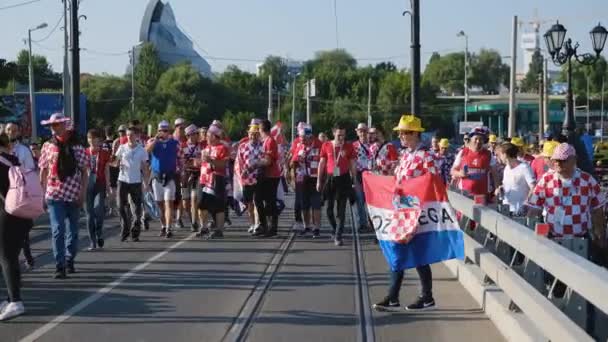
25,197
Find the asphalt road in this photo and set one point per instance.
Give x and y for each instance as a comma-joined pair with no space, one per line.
288,288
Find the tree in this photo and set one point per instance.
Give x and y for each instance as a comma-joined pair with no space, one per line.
395,91
275,66
8,72
580,73
107,97
180,88
44,76
148,71
488,71
446,72
531,81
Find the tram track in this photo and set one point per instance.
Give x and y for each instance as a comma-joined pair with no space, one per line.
243,322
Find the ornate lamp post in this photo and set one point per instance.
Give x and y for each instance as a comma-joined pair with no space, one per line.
562,51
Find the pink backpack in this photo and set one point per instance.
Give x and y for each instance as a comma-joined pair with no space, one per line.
25,197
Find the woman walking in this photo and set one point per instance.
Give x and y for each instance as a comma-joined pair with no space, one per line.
13,232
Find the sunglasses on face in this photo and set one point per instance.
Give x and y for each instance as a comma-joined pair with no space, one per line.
406,132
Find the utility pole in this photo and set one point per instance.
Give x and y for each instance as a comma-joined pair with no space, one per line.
293,108
133,82
75,51
541,106
278,104
32,90
466,73
369,102
602,110
30,68
270,98
546,93
415,57
66,61
512,108
588,121
308,90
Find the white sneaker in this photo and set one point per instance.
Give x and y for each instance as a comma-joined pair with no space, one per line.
251,229
12,310
298,226
3,305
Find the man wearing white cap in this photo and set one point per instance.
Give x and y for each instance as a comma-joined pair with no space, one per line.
248,168
165,157
63,175
571,199
192,152
212,194
299,224
363,163
305,161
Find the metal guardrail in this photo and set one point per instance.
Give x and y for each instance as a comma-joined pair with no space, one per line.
495,247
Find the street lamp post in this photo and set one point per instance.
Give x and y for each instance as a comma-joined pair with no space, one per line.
562,51
466,73
34,133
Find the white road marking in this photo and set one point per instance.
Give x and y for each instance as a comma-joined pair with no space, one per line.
38,333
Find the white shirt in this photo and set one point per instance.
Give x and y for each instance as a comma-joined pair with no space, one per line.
130,163
517,183
24,154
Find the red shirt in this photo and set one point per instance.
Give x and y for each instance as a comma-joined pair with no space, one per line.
540,167
343,155
123,140
100,162
271,150
307,156
478,164
216,152
294,145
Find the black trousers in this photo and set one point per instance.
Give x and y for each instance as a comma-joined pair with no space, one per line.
426,283
126,190
13,232
266,202
338,189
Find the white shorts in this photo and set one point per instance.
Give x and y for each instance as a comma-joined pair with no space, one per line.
163,193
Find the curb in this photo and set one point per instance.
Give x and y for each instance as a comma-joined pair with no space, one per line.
514,326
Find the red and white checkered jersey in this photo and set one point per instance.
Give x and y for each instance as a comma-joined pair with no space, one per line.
364,157
307,157
248,155
191,152
216,152
567,204
69,189
416,163
384,158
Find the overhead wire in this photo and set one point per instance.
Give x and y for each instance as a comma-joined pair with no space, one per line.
51,32
19,4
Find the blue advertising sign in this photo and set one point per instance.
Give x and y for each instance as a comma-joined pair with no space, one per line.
47,104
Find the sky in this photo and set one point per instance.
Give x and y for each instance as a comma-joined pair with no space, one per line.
243,31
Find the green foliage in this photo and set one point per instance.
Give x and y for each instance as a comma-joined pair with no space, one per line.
107,95
530,84
275,66
488,71
148,71
180,88
45,77
580,73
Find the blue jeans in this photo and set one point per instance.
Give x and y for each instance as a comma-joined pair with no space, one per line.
361,208
65,242
95,206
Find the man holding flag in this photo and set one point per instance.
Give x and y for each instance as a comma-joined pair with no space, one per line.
414,223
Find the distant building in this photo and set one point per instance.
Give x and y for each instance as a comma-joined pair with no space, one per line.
159,27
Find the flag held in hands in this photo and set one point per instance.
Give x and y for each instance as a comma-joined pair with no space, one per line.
414,221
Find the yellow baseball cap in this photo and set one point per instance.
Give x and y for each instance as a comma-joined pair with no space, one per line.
444,143
492,138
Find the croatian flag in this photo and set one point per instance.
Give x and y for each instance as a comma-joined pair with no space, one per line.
414,221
